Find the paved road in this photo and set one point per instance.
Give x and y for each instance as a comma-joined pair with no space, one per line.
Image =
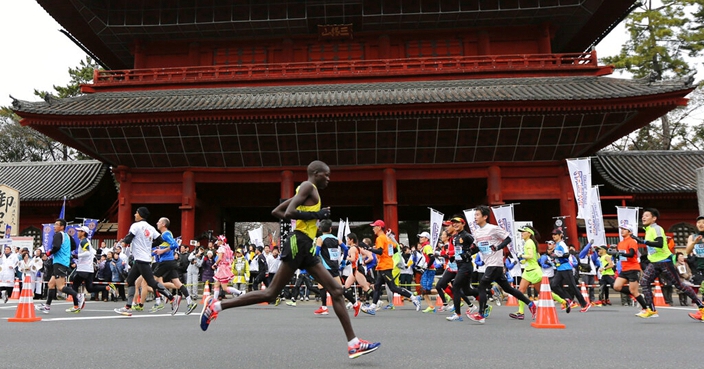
287,337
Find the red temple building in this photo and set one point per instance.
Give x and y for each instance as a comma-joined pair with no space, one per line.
209,111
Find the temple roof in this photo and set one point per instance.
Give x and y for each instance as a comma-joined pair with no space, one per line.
650,172
51,181
351,95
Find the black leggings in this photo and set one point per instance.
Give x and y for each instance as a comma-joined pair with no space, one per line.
653,270
496,274
462,286
566,277
446,278
142,268
385,276
86,277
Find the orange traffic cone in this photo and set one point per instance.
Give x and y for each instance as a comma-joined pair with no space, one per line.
16,290
658,298
398,301
438,302
547,315
265,302
585,294
328,301
25,309
206,292
512,301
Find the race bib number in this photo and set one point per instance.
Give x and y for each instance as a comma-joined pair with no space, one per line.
334,254
239,267
391,250
699,250
651,250
484,247
622,258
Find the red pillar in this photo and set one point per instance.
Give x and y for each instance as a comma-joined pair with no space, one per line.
287,190
568,207
390,200
188,207
124,198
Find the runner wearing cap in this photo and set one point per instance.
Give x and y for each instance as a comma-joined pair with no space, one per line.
85,270
461,286
532,274
384,249
428,277
661,262
607,275
564,274
627,252
491,240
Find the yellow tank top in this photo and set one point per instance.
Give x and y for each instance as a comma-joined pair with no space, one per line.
309,227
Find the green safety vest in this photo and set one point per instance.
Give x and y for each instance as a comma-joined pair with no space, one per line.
656,254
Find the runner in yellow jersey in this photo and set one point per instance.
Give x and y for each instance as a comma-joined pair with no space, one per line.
298,253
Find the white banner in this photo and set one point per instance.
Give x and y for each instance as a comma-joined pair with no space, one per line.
594,223
341,231
9,212
627,216
504,219
256,237
471,223
436,218
581,176
347,228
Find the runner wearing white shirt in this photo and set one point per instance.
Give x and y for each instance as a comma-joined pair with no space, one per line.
142,236
491,240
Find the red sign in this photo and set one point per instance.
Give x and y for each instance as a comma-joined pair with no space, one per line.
335,31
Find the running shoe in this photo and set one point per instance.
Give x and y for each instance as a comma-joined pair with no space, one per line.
291,303
43,308
390,307
362,348
472,309
113,290
348,305
81,301
585,308
124,311
442,309
698,316
454,318
321,311
574,304
598,303
140,308
175,304
416,301
518,316
450,309
487,311
369,309
534,310
74,310
277,301
429,309
192,306
567,306
476,317
356,307
208,315
154,308
647,313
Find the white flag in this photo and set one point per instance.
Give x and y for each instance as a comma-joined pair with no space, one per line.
595,220
471,223
347,227
581,176
517,238
627,216
341,231
255,236
504,219
436,218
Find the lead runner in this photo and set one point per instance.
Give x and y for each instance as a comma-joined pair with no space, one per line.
297,254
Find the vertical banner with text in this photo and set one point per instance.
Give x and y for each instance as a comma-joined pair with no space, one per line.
627,216
436,218
47,236
9,211
505,220
471,223
581,176
341,230
594,222
92,225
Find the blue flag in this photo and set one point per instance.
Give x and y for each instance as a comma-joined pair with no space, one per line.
47,236
62,214
92,225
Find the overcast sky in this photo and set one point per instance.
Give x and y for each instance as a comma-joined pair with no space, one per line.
37,55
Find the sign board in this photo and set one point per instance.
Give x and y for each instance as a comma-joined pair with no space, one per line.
23,242
9,210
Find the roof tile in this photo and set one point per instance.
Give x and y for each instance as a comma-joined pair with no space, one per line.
51,181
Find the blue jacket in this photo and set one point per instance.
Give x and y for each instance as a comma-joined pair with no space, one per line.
595,256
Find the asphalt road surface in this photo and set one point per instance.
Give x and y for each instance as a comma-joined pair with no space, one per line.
293,337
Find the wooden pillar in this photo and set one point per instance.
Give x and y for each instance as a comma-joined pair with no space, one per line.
568,208
493,186
287,190
483,43
124,198
384,47
390,200
188,206
138,51
544,39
